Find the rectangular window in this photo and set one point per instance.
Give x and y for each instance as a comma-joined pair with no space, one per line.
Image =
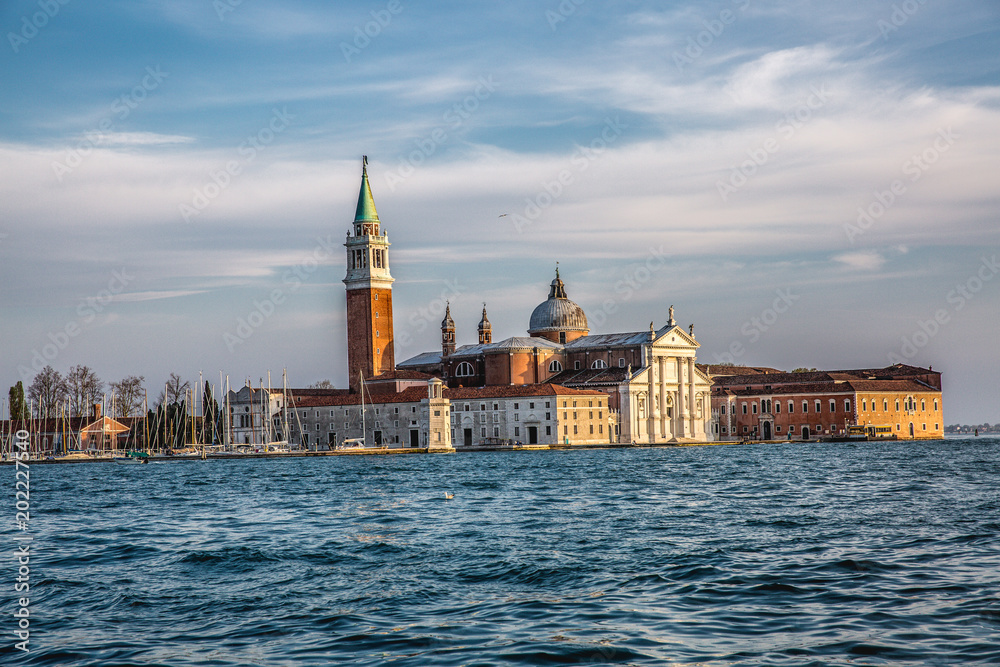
600,429
777,407
805,407
548,416
548,430
819,407
546,404
515,406
591,415
531,406
574,415
600,414
574,429
517,431
847,406
791,407
484,431
744,405
496,431
722,409
437,413
482,407
517,417
833,405
565,430
592,429
753,407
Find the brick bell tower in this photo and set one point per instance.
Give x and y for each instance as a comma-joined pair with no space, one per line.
369,293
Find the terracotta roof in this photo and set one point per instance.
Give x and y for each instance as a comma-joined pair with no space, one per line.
830,387
721,370
398,374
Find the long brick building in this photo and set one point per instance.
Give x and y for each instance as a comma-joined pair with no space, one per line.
898,401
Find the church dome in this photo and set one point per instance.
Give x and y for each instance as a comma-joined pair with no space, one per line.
557,313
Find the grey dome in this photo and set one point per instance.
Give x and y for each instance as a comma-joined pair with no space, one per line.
557,313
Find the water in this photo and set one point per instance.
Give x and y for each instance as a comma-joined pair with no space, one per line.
795,554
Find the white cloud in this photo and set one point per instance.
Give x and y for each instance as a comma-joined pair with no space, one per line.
865,260
139,139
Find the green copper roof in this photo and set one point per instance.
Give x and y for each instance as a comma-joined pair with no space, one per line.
366,205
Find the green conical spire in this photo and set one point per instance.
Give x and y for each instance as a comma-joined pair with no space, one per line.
366,205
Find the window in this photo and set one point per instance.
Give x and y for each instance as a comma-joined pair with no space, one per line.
517,431
847,405
482,407
516,406
833,405
805,407
621,362
496,406
496,431
591,415
777,429
599,363
923,405
576,365
574,429
744,405
777,408
864,405
531,406
600,414
555,366
517,417
565,430
548,430
574,414
897,405
885,405
722,409
484,431
437,413
548,416
791,407
819,407
600,429
753,407
935,408
331,413
923,427
592,429
562,337
466,406
465,370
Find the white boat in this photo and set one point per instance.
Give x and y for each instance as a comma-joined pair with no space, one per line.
132,458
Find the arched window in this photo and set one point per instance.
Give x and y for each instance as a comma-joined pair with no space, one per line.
599,363
555,366
465,370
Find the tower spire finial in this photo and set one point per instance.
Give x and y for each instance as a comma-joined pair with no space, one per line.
366,203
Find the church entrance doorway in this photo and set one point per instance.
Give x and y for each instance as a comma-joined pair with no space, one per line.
805,432
767,430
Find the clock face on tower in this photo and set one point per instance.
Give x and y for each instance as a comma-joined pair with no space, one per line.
370,345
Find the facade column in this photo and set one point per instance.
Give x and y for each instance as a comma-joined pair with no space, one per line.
661,367
691,397
682,404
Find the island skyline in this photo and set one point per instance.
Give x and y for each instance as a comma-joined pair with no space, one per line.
157,196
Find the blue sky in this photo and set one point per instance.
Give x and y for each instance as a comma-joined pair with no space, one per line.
171,168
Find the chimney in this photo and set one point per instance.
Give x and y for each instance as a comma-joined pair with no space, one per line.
97,411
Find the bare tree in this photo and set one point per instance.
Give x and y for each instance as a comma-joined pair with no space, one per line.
84,388
176,390
129,395
46,392
322,384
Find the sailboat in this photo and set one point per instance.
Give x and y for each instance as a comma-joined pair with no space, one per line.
357,443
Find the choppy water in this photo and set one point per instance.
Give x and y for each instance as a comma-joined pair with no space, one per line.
797,554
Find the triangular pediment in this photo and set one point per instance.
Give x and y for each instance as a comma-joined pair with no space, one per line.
674,336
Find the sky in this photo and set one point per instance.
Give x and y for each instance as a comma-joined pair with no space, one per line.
811,184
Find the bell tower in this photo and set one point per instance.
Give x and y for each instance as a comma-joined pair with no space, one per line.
369,292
